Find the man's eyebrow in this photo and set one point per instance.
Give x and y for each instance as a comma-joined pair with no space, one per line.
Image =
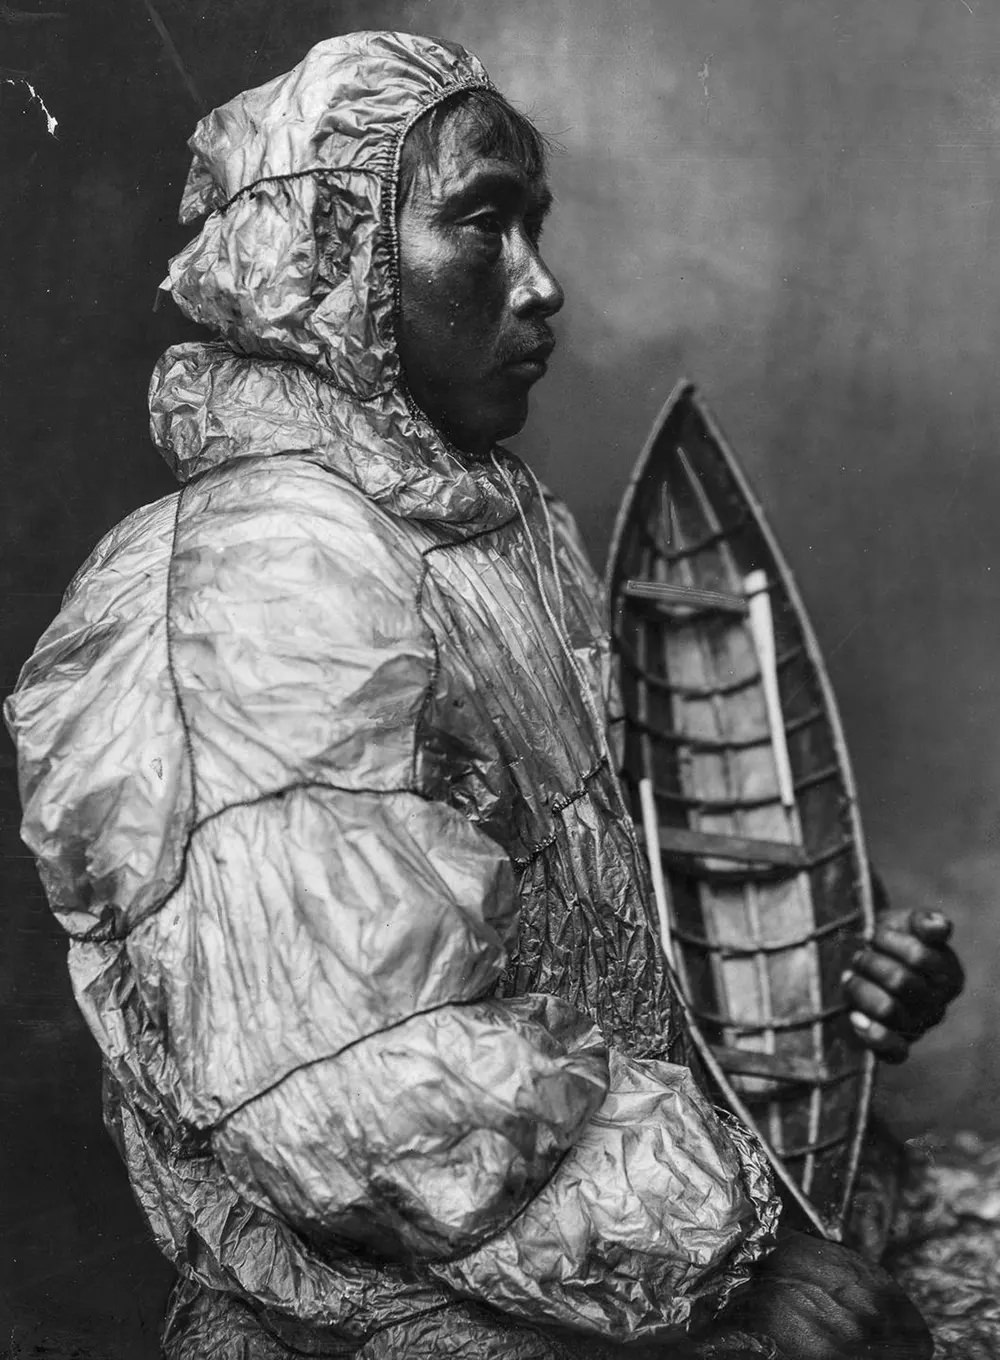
483,182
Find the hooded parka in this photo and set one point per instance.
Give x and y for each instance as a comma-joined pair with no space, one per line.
315,768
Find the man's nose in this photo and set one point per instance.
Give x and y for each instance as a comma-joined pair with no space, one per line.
537,290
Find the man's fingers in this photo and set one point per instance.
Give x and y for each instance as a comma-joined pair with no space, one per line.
878,1004
901,980
890,1046
936,962
933,927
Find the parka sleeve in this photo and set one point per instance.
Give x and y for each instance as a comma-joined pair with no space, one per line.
313,943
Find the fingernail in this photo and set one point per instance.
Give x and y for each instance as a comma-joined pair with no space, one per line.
934,918
845,977
860,1021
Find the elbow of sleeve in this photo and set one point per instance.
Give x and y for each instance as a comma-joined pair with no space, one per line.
421,1141
654,1217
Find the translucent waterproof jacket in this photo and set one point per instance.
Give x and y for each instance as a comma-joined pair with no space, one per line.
314,774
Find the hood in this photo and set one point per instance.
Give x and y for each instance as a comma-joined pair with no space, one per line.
296,269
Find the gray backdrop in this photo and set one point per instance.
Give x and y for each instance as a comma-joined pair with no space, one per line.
790,202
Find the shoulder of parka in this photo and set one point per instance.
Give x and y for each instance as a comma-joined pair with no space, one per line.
297,644
259,631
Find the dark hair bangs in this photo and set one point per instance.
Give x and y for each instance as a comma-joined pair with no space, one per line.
495,127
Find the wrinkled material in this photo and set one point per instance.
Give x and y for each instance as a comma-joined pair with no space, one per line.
356,913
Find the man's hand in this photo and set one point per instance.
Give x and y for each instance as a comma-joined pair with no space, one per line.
901,983
819,1301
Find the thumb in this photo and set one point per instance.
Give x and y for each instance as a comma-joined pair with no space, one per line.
931,927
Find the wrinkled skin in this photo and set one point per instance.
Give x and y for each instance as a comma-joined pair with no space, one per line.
473,333
901,983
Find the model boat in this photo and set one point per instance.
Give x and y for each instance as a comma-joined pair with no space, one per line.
739,776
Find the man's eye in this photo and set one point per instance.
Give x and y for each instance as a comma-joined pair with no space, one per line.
488,223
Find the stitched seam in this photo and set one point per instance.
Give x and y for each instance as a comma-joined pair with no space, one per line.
414,1317
302,784
331,1056
559,806
471,538
390,198
270,794
317,172
343,1348
459,1256
97,932
333,171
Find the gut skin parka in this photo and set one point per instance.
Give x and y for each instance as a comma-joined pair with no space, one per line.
313,763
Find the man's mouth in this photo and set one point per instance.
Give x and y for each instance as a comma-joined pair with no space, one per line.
532,363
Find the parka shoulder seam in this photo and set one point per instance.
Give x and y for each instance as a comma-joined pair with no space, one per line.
196,823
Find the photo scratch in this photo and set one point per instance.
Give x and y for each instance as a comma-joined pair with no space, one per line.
50,122
704,74
170,47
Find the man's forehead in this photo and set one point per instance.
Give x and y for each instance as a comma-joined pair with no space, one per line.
462,159
478,176
460,167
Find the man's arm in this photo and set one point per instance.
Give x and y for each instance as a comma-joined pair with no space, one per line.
309,956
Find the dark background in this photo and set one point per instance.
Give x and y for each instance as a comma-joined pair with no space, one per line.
791,202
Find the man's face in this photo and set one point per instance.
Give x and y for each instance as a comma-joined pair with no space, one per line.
475,296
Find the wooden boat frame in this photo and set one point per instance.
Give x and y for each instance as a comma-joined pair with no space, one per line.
744,1076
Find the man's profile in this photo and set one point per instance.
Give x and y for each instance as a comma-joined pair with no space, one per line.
314,762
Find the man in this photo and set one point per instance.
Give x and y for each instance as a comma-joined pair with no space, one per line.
315,767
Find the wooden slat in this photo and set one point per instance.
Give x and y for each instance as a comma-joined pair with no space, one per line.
708,744
724,688
777,1025
747,849
685,597
849,921
835,1140
780,1067
714,806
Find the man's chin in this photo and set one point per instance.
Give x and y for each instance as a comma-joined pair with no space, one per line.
512,419
487,426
